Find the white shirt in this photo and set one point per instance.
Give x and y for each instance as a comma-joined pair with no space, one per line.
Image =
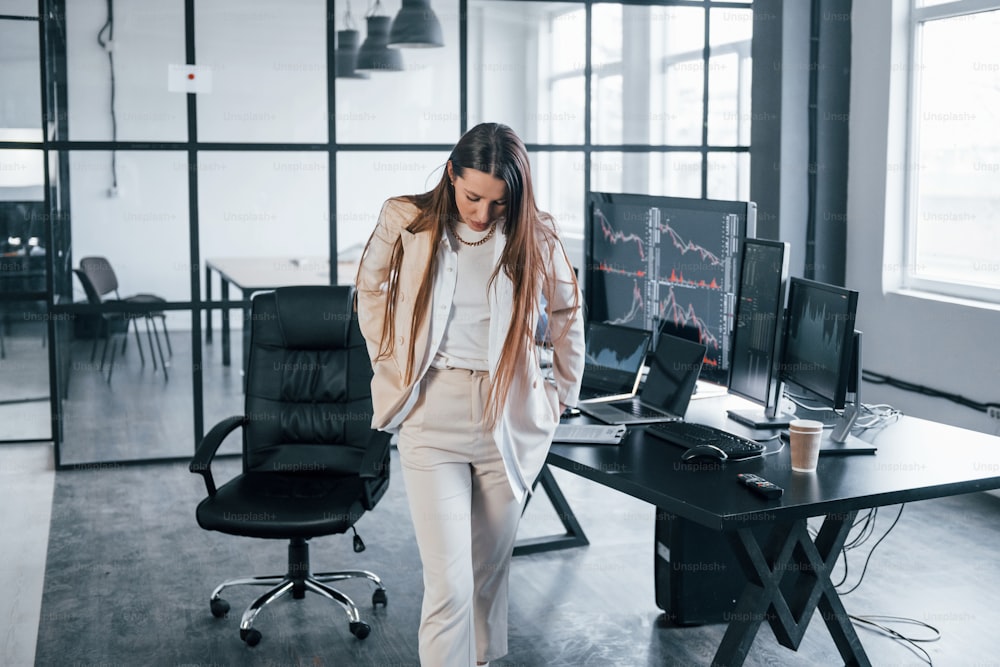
442,302
465,341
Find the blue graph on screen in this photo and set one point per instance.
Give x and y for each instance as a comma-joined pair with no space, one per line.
609,357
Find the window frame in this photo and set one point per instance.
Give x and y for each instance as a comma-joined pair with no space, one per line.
593,73
910,280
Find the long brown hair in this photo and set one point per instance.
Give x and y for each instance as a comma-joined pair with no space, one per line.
494,149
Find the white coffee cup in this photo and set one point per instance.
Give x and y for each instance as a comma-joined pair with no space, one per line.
805,436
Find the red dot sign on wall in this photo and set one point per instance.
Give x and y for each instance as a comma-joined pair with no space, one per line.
189,79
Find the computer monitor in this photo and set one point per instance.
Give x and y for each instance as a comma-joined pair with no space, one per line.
757,330
819,341
667,264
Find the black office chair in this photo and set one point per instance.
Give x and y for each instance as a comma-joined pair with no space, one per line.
312,465
102,277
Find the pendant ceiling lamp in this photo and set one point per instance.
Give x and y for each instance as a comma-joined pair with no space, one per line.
416,25
375,54
346,54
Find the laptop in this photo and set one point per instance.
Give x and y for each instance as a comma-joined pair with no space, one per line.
667,391
614,358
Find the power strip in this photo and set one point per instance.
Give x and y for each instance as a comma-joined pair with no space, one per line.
993,412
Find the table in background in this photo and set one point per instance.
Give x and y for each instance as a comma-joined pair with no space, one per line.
916,460
254,274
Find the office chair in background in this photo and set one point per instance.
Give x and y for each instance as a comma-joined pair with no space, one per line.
312,466
102,277
110,324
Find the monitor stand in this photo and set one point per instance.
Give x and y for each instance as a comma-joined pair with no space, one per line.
842,428
769,417
850,445
840,438
759,419
831,447
838,441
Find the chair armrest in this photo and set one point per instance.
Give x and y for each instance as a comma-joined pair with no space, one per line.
201,464
374,469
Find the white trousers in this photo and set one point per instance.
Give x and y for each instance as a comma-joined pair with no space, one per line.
465,517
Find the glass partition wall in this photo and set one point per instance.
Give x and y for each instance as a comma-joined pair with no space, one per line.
192,139
25,396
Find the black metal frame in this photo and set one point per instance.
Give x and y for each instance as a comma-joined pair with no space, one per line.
52,60
574,535
790,550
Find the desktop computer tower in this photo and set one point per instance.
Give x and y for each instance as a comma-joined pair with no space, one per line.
697,577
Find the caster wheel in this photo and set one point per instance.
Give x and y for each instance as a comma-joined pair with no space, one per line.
379,598
360,629
219,608
251,636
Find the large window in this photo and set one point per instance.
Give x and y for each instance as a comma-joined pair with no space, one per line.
669,96
953,230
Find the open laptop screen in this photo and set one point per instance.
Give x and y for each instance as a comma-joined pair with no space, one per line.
673,373
614,358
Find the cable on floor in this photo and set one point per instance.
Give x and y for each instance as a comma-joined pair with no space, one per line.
910,642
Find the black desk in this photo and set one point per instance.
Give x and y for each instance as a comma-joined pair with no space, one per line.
916,460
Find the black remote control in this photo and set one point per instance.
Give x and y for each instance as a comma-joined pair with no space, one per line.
759,485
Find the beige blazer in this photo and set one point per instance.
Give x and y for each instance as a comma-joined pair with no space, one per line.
528,420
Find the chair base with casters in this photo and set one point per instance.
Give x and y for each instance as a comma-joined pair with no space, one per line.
253,504
297,580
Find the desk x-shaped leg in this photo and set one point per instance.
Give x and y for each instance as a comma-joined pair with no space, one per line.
792,552
574,536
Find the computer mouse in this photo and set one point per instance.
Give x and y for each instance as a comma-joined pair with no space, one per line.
704,453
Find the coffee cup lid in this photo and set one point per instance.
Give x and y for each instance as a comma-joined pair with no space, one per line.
806,425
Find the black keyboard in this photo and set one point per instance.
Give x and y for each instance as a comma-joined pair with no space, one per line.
687,434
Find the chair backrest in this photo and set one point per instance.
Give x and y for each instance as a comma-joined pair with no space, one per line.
101,275
88,287
308,384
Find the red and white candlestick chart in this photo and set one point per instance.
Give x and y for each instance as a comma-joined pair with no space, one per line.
673,277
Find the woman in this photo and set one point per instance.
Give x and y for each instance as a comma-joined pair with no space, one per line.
450,288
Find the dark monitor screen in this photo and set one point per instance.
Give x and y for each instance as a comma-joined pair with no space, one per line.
667,264
818,340
760,307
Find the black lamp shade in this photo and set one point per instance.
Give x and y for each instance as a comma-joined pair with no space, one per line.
347,55
375,53
416,25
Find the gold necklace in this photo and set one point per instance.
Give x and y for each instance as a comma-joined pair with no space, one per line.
472,244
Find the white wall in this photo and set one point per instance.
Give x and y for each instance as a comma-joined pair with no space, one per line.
268,68
938,343
268,63
21,171
147,37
